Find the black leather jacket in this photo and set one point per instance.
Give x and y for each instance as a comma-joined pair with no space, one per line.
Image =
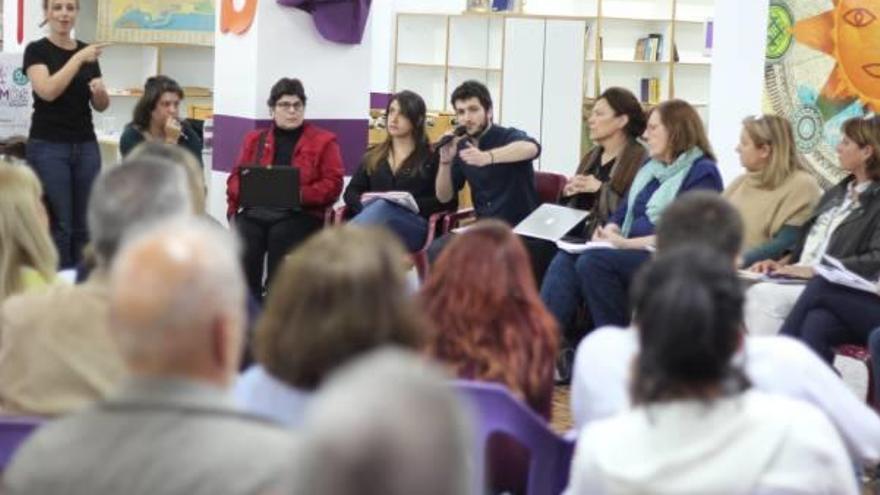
856,241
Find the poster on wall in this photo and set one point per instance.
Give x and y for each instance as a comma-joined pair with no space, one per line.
822,68
16,98
185,22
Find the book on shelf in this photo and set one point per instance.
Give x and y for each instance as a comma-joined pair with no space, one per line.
708,36
650,90
656,46
649,48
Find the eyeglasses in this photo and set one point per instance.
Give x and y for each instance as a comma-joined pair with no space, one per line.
296,106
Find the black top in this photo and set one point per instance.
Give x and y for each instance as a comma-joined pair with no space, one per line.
599,170
418,181
189,139
285,143
68,119
856,240
502,190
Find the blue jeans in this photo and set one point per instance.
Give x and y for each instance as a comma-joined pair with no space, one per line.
827,315
67,171
562,290
410,228
609,274
598,278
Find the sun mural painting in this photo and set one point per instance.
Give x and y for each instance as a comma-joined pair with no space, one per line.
822,68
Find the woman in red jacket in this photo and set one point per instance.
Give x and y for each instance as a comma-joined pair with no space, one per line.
290,141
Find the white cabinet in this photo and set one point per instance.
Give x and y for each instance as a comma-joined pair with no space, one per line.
543,86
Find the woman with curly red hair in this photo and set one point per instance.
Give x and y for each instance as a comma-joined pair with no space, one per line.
490,325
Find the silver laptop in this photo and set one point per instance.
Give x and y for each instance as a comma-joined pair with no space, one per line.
550,222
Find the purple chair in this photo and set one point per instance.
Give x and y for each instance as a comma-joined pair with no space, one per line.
498,411
13,432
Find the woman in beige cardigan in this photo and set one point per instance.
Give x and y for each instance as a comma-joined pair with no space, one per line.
776,195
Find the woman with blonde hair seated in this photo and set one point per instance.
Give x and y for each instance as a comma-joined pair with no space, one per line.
776,195
340,294
28,259
845,225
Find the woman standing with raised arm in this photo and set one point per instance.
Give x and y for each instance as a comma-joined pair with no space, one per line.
62,147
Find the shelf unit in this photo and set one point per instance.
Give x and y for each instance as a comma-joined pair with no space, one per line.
682,23
126,67
436,52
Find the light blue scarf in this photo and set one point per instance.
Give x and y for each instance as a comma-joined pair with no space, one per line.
670,176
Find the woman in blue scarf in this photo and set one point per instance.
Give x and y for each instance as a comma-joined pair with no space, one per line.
681,160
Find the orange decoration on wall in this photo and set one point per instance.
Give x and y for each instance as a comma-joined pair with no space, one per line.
237,21
851,34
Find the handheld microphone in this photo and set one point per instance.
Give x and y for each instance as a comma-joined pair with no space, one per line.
458,132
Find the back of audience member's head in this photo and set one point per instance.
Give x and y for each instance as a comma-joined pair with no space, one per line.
689,310
774,132
388,424
486,311
132,195
177,301
703,218
181,157
24,229
338,295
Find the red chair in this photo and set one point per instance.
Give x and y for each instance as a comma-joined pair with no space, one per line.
861,353
548,184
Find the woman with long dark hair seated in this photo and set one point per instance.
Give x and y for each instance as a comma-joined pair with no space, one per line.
696,425
605,173
404,162
156,118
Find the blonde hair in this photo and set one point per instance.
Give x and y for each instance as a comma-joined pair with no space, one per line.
774,131
23,233
195,180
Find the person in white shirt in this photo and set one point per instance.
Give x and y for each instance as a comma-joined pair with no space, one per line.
697,425
777,365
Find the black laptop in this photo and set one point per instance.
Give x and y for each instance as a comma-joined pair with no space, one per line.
272,187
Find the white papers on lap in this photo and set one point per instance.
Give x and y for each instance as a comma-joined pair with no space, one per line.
580,247
750,276
833,271
401,198
755,277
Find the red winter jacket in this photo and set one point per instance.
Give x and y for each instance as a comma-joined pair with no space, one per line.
316,156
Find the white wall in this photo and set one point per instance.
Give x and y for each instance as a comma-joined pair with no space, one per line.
381,32
737,76
33,15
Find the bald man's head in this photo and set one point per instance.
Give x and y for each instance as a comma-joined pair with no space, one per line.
177,301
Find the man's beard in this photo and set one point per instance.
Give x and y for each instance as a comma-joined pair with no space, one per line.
480,130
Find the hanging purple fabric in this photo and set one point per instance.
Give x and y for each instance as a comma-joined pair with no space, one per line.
340,21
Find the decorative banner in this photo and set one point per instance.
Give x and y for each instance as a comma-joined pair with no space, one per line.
16,98
185,22
822,68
